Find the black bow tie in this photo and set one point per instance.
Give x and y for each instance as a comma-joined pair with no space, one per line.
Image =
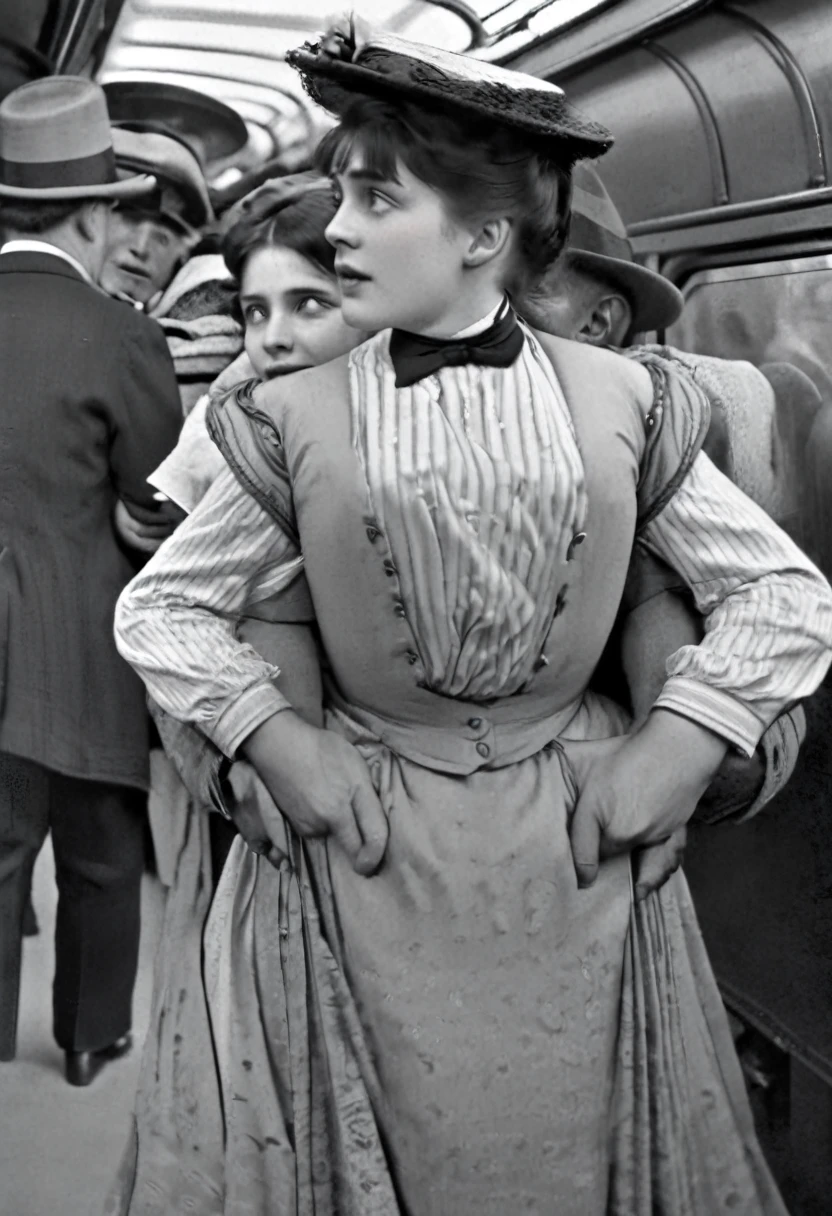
414,357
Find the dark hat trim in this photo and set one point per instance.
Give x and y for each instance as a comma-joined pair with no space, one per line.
587,235
334,82
96,170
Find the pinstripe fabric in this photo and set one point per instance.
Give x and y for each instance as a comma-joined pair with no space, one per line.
475,478
477,481
767,609
176,622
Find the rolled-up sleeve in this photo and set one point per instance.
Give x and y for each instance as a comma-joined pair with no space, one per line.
176,621
767,610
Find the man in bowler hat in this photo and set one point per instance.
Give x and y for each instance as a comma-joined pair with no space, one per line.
90,407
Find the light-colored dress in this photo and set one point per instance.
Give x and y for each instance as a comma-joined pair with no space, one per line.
466,1032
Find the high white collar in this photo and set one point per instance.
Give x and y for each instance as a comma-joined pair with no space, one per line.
484,323
30,245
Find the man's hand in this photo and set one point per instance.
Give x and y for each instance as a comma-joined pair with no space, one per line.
146,537
653,865
247,816
321,784
638,790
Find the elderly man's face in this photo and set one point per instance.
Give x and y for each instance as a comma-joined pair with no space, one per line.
143,254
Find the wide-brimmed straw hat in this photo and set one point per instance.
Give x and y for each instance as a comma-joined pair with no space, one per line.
348,61
181,194
598,240
56,143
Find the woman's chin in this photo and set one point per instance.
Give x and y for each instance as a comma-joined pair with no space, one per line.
359,316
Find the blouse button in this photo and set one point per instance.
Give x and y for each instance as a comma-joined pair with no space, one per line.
389,569
373,534
653,417
412,657
475,723
400,610
483,749
577,539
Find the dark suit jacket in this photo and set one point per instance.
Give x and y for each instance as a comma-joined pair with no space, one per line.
89,406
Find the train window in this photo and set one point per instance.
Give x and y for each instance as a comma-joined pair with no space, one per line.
766,313
778,312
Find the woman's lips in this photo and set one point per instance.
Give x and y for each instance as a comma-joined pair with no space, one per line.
283,369
349,277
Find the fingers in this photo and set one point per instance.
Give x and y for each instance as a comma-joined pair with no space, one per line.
585,838
372,825
654,864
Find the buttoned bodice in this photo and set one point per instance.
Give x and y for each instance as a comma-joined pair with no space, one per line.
464,542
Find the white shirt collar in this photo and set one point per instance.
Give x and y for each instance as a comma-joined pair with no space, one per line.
484,323
34,246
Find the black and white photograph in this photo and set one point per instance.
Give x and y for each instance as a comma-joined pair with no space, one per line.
415,608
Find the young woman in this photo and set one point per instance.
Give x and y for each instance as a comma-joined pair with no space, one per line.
441,1002
289,304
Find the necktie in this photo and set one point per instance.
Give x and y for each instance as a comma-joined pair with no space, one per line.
414,356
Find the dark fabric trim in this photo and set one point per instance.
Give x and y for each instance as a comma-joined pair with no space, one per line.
587,236
96,170
668,458
220,419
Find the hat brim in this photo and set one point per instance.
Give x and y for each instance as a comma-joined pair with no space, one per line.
655,301
334,83
210,128
131,187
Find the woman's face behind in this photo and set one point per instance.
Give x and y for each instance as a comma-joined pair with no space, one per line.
292,313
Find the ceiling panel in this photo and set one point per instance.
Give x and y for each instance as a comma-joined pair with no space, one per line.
234,51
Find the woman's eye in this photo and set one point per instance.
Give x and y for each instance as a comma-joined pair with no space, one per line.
254,314
378,201
313,306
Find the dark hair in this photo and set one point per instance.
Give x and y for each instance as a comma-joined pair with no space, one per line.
481,169
292,212
34,216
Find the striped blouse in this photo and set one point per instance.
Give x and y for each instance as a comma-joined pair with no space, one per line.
476,476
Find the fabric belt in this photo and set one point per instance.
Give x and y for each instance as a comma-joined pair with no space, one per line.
455,737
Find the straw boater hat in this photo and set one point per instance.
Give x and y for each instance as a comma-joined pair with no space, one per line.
351,59
55,143
181,194
598,240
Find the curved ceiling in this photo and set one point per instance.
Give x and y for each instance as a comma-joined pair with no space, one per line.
234,51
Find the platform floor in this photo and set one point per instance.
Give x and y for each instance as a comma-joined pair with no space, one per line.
59,1146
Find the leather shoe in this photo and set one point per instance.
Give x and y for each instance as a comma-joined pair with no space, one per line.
82,1067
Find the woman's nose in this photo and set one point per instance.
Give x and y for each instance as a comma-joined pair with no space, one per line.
340,231
278,335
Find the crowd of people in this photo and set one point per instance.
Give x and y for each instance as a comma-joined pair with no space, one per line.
358,528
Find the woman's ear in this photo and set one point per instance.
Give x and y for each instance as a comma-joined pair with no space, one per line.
488,243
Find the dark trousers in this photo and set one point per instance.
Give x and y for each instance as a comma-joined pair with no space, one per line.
98,842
